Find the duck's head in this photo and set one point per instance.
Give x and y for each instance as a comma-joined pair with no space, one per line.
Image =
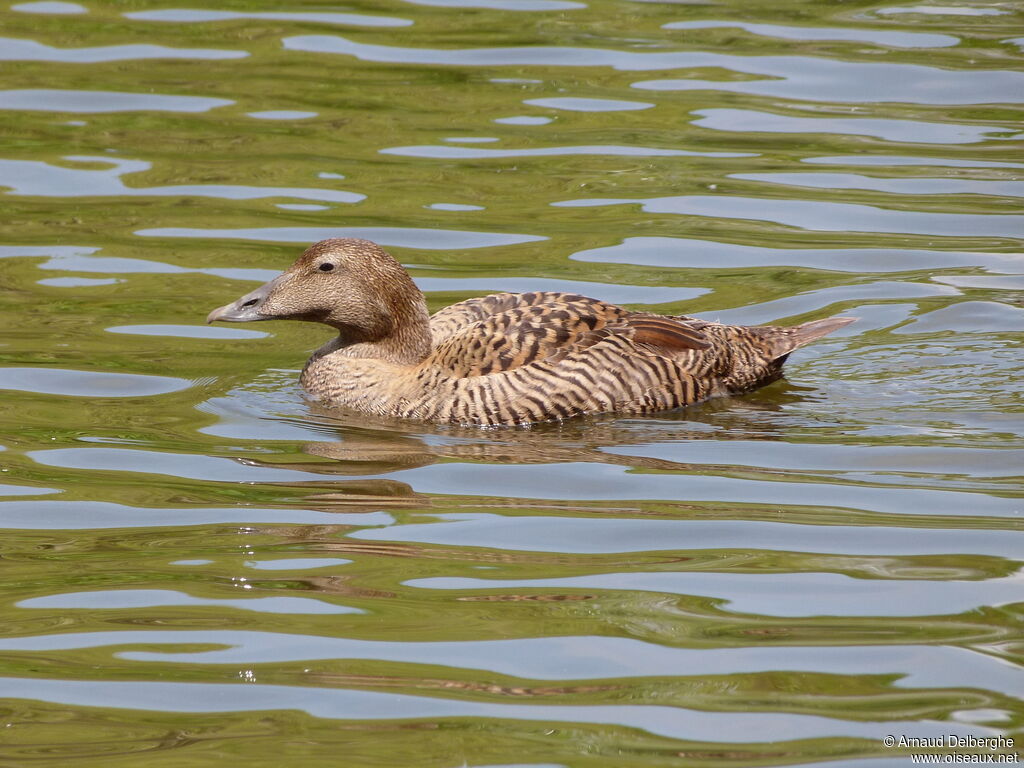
352,285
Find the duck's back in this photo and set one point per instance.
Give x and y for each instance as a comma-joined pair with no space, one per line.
523,358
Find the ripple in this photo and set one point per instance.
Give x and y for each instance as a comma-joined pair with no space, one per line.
74,259
969,462
118,599
49,6
181,465
54,100
897,160
403,237
470,153
823,216
888,38
53,251
614,292
59,381
282,114
777,594
573,481
796,77
825,80
531,533
907,131
81,259
29,50
505,5
453,207
826,298
33,177
942,10
683,253
102,515
77,282
589,105
296,563
187,16
618,293
593,481
898,186
1008,283
24,490
969,317
188,331
552,658
339,703
524,120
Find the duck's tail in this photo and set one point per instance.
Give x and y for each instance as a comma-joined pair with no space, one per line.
798,335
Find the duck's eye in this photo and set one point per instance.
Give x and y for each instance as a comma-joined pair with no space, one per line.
326,267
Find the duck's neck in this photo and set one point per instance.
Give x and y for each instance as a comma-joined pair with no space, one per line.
408,343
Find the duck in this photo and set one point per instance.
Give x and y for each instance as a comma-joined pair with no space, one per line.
506,358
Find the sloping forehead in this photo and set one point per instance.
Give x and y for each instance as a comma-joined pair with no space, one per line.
349,247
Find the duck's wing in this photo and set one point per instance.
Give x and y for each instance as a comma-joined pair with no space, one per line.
553,328
551,362
446,322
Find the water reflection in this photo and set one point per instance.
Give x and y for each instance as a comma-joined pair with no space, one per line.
553,658
776,594
910,131
54,100
152,598
344,704
942,10
26,177
192,16
891,38
470,153
817,564
282,114
678,252
70,383
49,7
897,160
424,239
576,104
505,5
829,80
900,186
791,77
823,216
29,50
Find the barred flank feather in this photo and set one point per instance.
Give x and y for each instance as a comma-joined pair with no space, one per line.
505,358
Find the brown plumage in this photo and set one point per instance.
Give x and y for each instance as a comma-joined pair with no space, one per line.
508,358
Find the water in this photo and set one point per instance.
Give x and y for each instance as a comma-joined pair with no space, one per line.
200,567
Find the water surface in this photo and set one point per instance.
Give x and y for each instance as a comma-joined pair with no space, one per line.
201,567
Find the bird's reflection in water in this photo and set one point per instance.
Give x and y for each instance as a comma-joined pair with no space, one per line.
374,446
365,448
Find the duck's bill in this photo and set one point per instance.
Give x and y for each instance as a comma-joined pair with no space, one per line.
247,308
233,313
